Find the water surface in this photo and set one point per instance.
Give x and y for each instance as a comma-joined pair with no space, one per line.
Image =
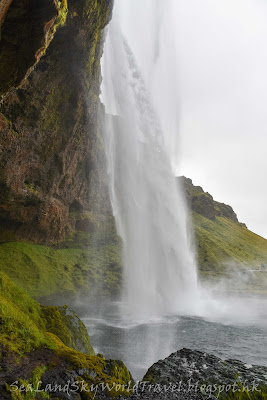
140,343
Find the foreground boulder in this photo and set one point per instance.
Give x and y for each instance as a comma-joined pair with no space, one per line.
197,373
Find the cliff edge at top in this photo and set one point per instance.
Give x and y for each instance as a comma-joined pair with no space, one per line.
203,203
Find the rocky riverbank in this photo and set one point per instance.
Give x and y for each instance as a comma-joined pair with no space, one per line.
192,374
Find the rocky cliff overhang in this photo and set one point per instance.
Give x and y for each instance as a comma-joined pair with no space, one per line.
52,174
27,28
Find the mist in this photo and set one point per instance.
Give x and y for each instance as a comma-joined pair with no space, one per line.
214,98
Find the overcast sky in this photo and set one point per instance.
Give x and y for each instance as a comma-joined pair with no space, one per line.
215,93
223,127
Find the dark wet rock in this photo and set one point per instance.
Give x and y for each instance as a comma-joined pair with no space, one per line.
194,369
52,160
65,375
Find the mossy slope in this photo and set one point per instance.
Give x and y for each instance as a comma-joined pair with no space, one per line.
22,327
222,241
225,248
25,323
82,264
35,344
228,250
66,325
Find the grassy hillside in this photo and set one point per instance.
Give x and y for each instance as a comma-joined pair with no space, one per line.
225,248
81,264
90,263
222,242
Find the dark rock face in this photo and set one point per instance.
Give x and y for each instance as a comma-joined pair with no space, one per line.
203,203
60,376
4,6
223,210
28,28
51,149
192,367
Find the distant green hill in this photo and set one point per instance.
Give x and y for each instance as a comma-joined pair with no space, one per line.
90,262
225,247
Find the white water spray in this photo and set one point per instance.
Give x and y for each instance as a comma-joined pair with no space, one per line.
160,272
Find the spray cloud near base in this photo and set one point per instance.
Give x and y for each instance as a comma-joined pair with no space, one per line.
160,275
160,272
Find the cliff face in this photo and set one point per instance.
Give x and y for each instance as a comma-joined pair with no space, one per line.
52,175
202,202
27,28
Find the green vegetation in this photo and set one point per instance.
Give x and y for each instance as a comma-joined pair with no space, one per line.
82,263
26,326
85,263
227,249
222,240
65,324
25,323
259,394
22,327
29,386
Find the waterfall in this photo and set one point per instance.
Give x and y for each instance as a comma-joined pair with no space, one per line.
159,267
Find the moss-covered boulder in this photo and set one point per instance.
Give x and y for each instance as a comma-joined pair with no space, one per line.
51,346
25,323
67,326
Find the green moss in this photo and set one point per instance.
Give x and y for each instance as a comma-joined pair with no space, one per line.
259,394
25,323
109,372
65,324
227,248
28,387
62,6
81,263
22,327
223,239
119,371
58,108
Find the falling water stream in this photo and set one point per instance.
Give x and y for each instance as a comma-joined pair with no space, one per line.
160,272
162,308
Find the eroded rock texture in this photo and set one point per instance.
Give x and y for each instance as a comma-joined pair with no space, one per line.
202,202
52,175
195,372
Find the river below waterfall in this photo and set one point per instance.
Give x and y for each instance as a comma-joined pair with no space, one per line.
140,343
